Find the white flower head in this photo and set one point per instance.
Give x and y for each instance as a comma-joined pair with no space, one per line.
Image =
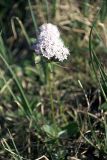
49,43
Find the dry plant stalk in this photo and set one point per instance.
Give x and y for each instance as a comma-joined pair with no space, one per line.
42,158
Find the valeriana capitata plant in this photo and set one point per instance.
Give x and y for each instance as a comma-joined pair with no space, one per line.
51,48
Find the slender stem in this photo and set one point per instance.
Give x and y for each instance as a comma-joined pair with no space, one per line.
33,17
50,91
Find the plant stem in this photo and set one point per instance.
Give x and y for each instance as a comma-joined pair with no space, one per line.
50,90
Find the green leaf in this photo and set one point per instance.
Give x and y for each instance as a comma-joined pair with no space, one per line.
70,130
104,106
51,130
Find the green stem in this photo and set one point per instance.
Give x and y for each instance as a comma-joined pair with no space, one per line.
50,92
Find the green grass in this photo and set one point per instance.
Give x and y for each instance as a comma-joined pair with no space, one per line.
51,108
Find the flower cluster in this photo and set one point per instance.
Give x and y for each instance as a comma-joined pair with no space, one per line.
49,43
